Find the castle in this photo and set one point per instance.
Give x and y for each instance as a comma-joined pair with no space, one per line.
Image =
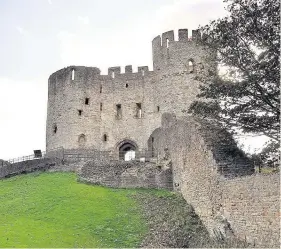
119,111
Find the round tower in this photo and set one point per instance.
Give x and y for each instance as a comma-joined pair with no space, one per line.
177,65
68,89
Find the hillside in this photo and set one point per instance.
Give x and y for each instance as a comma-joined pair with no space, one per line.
54,210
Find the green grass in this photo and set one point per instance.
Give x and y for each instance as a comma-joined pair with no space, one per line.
54,210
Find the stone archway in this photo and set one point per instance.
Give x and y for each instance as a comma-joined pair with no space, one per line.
127,150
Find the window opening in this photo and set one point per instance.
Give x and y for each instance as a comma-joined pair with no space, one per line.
80,112
82,140
168,42
100,106
112,75
73,74
142,72
118,111
100,89
104,137
190,66
139,110
55,129
126,85
152,146
158,108
87,100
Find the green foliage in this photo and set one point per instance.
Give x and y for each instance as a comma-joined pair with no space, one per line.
53,210
247,41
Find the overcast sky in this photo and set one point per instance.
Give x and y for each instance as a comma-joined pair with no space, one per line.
38,37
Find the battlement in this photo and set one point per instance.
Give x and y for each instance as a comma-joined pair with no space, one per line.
74,73
70,72
169,36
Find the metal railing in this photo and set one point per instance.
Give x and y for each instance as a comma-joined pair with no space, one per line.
74,155
25,158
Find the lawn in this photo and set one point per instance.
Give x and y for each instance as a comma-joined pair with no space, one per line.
54,210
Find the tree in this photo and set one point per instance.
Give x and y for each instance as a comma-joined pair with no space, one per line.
247,97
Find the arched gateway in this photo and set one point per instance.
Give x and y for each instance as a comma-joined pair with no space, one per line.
127,150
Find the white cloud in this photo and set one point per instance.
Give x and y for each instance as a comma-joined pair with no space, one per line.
21,30
187,14
85,20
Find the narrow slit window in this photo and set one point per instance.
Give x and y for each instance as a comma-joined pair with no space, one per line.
73,74
190,66
168,43
104,137
152,146
112,75
100,106
158,108
55,129
87,101
126,85
142,72
100,89
139,110
118,111
80,112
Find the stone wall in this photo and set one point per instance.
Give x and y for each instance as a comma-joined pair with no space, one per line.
252,206
82,109
130,174
26,167
219,181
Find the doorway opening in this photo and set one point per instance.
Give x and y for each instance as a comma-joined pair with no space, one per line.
127,151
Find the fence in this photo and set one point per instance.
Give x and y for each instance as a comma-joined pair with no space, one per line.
25,158
75,155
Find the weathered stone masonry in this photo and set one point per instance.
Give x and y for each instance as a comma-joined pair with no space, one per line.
106,112
218,180
90,110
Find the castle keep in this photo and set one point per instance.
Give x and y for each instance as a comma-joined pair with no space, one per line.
119,111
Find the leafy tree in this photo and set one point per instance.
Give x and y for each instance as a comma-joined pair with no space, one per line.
246,98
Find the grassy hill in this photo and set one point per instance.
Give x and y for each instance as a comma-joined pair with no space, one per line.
54,210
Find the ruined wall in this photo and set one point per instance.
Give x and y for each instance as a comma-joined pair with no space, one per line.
248,203
74,122
133,174
26,167
252,206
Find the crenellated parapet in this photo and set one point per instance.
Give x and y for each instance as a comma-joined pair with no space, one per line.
166,38
171,55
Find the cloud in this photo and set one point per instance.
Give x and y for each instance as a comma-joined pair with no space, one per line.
21,30
85,20
50,2
187,14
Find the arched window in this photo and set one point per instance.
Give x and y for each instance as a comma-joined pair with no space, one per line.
190,66
82,140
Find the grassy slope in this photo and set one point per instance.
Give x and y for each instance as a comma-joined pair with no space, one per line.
53,210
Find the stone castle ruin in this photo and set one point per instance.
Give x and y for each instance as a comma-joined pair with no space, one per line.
119,111
95,123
